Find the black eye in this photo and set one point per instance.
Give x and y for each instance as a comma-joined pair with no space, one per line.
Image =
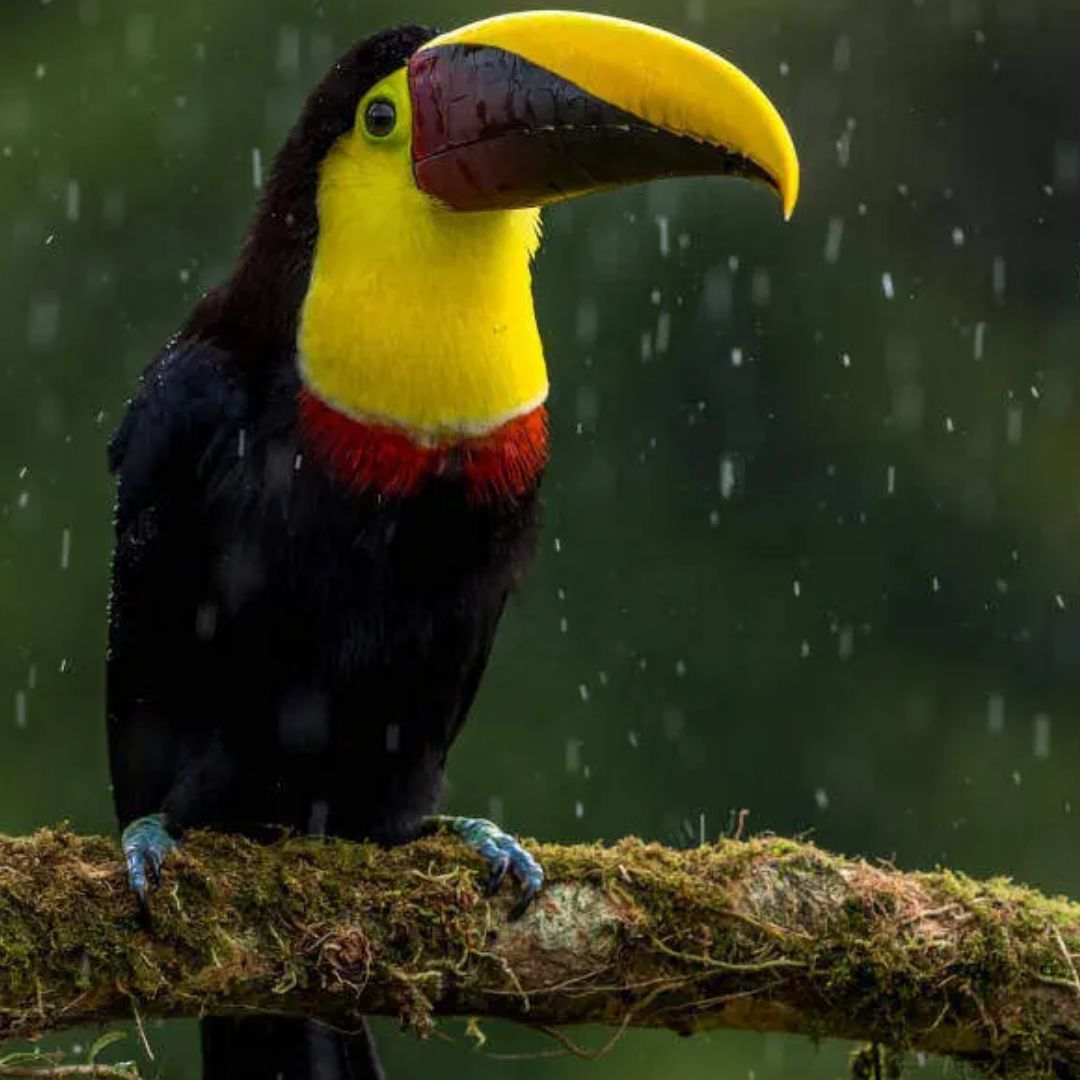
380,118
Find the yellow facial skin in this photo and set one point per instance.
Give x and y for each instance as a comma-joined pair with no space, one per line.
668,81
416,316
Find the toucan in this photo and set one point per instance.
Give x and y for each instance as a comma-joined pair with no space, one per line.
327,481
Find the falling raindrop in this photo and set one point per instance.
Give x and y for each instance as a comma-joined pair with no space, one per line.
43,321
72,201
834,239
842,54
663,226
716,296
843,144
980,340
730,475
139,37
573,755
114,209
998,275
1014,424
320,813
288,51
663,332
588,322
1041,746
761,287
646,347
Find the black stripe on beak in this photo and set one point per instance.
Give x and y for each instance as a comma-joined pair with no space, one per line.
492,131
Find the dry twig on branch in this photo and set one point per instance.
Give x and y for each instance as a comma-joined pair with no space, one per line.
767,934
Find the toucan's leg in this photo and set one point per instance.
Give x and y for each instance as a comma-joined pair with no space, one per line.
197,793
146,842
501,851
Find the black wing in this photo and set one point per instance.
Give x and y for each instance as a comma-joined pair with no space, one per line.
186,408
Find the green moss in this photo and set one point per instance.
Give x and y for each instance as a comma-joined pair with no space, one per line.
830,945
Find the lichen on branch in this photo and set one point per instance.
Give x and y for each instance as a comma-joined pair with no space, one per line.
767,934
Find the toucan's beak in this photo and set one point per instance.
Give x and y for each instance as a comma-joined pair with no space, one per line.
531,108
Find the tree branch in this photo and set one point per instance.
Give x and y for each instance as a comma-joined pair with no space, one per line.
769,934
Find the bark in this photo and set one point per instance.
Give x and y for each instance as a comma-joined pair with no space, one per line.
767,934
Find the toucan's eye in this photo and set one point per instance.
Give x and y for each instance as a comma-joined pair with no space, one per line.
380,118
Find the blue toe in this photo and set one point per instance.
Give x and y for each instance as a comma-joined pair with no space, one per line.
503,855
145,843
528,872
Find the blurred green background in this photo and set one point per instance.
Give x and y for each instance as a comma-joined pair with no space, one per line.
814,510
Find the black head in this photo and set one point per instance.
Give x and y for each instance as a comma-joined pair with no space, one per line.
255,311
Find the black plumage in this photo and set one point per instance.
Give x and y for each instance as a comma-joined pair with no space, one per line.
284,652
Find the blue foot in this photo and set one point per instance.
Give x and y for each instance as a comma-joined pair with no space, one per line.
146,842
504,856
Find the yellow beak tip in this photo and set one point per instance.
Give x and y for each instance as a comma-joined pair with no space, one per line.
788,185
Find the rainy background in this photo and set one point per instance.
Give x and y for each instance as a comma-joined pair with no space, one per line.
813,513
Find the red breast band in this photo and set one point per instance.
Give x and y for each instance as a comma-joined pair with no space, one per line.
502,464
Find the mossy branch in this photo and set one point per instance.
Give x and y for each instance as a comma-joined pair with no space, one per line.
766,934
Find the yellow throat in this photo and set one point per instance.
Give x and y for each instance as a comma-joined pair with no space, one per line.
416,316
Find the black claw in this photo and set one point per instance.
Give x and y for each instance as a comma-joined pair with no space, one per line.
497,871
523,903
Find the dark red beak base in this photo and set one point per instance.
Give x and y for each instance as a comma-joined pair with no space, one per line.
492,131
